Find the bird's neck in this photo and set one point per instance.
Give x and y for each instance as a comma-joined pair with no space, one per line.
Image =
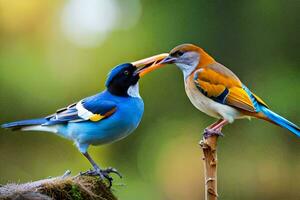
132,91
205,58
187,69
118,90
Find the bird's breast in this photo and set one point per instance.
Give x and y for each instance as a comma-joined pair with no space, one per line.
207,105
130,114
201,102
120,124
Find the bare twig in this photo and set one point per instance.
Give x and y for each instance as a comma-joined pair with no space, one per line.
62,187
209,147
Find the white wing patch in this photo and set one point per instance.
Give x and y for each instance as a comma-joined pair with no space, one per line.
83,112
53,129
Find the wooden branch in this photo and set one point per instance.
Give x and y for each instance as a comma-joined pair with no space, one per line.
63,187
209,147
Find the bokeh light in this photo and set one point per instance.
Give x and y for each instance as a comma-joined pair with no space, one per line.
88,22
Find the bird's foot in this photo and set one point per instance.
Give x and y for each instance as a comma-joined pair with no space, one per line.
106,175
211,132
103,174
92,172
112,170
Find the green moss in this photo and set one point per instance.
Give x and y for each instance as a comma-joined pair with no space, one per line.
75,193
78,188
68,188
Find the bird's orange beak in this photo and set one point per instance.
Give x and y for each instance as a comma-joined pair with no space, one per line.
147,65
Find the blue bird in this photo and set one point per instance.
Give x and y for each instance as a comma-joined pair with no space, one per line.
103,118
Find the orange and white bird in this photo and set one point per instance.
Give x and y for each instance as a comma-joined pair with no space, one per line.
215,90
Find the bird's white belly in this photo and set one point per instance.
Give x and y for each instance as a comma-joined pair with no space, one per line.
209,106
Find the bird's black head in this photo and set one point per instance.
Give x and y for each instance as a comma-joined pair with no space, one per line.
121,78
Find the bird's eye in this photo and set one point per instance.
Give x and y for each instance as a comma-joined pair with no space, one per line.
126,72
177,53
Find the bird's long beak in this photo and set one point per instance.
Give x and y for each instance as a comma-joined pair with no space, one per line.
168,60
154,63
147,65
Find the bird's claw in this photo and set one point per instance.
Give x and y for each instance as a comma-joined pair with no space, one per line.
106,175
103,174
211,132
113,170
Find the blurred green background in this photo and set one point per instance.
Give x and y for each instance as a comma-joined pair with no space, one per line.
53,53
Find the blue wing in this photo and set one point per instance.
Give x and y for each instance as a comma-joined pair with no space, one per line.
83,110
92,108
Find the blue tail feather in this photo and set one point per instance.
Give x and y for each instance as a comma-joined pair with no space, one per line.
277,119
19,124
